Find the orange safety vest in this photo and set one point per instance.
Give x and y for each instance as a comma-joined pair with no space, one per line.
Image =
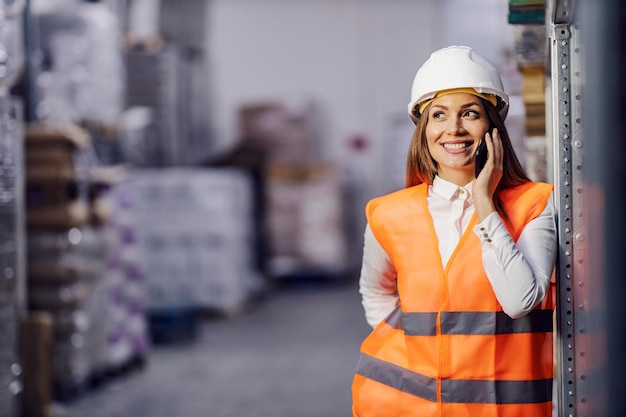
448,349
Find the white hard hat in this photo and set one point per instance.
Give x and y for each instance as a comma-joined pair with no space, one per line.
456,67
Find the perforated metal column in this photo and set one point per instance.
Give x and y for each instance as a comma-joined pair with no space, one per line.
573,336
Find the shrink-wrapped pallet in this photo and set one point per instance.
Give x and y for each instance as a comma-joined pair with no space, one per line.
194,234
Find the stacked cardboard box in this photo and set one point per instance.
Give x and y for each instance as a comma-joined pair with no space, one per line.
305,220
303,193
534,96
281,133
56,187
531,56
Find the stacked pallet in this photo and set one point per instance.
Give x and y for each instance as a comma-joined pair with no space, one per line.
169,85
69,257
192,235
65,280
303,193
305,220
532,58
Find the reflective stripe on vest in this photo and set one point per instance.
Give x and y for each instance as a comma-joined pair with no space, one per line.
472,323
454,390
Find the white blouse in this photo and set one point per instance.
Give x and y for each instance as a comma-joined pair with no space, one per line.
519,273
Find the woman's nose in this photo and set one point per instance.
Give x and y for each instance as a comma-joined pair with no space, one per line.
455,126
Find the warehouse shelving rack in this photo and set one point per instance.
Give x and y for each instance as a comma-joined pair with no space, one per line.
573,333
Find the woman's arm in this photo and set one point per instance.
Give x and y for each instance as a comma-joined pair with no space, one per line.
377,283
519,273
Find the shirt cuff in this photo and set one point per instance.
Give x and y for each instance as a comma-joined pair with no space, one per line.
491,229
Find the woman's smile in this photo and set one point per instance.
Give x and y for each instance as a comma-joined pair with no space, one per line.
457,147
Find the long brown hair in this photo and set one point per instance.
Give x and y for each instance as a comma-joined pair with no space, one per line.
422,168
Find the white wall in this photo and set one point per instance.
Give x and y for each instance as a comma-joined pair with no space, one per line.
356,58
479,23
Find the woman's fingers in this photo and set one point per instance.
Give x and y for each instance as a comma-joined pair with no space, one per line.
494,147
493,167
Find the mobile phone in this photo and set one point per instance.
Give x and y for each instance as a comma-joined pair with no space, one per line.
480,158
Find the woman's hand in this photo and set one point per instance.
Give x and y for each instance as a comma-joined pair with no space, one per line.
485,185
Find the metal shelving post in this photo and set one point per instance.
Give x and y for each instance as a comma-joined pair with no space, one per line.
572,335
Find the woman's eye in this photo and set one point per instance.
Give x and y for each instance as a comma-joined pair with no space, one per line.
437,115
471,113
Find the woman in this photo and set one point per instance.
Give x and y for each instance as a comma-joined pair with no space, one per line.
456,274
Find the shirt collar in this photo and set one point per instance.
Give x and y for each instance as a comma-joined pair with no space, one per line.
448,190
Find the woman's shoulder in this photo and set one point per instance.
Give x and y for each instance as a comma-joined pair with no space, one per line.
408,192
530,186
399,196
526,201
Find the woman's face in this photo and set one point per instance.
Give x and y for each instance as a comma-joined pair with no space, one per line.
456,125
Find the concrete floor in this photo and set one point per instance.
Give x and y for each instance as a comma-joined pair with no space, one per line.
292,355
